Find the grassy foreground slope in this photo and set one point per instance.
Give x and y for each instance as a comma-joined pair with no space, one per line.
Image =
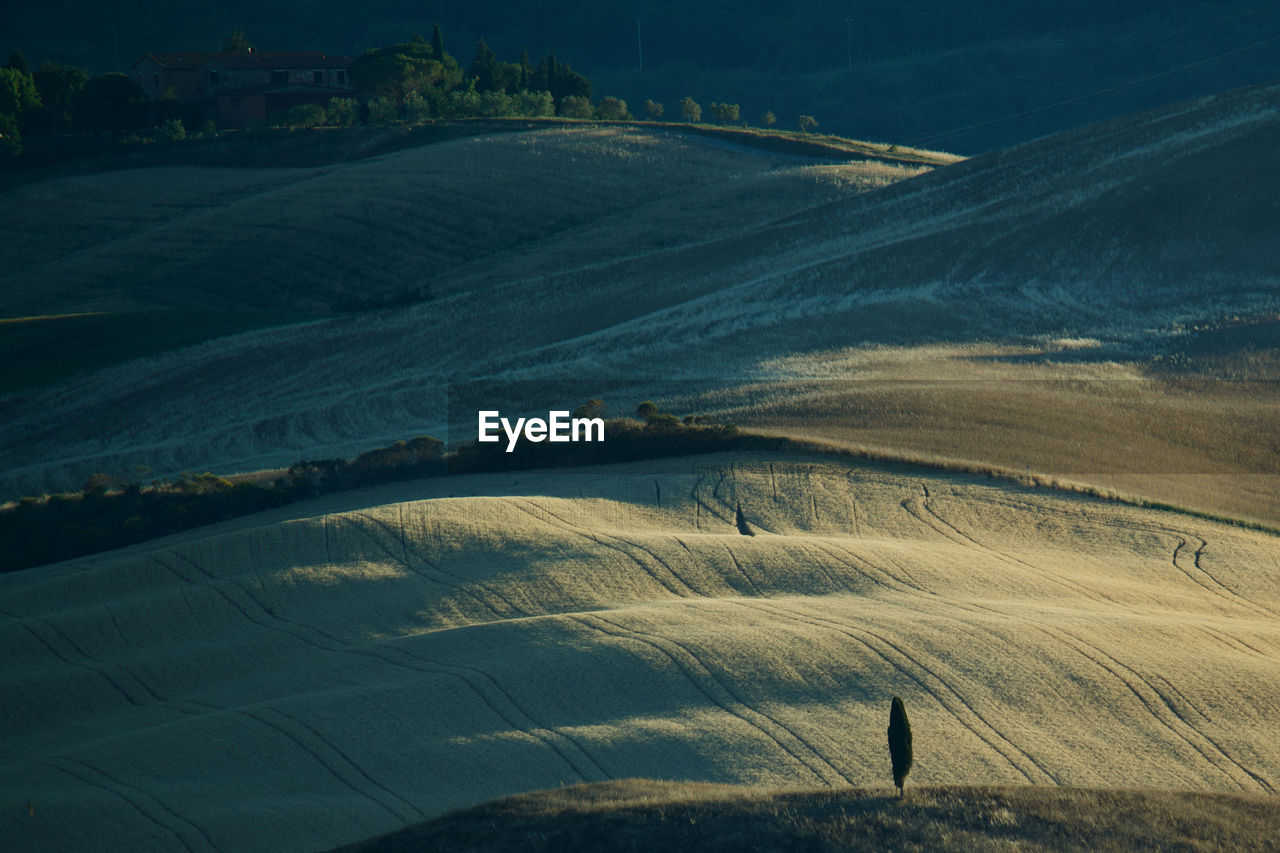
340,669
636,814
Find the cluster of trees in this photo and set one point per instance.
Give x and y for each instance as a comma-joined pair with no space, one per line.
108,514
419,80
54,98
409,83
45,99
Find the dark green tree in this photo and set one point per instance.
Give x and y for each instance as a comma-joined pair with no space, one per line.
613,109
437,44
59,84
740,519
396,71
490,74
725,113
526,70
19,98
654,109
690,110
560,80
18,62
899,742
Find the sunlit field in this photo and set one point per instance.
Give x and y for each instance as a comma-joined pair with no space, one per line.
312,677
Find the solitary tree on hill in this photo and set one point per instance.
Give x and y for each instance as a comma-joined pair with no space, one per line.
899,742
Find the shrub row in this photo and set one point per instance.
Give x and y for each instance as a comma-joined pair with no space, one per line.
38,531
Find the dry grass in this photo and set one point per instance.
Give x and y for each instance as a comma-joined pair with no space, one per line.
658,816
339,669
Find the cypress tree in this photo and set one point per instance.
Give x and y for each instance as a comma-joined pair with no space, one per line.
899,742
741,520
437,44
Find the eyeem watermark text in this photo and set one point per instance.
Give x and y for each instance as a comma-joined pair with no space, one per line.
558,427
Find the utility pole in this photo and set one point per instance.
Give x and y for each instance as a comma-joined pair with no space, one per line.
848,20
639,45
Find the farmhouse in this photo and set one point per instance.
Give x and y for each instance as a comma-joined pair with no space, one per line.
244,86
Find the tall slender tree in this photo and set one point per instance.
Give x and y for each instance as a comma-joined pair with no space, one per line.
437,44
899,742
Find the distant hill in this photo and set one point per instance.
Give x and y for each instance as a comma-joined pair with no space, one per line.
920,68
628,264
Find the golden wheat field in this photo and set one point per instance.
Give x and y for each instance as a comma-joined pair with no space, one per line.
1090,314
315,676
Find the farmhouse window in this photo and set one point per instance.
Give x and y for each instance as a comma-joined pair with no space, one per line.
340,77
318,77
278,77
213,79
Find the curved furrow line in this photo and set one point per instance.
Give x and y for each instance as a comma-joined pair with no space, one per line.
561,524
903,572
1233,642
955,706
701,505
455,582
1218,587
853,506
1183,697
808,545
349,761
332,644
119,788
1115,668
958,536
21,623
329,768
94,660
1096,595
150,818
732,556
709,683
715,491
1182,536
835,545
532,727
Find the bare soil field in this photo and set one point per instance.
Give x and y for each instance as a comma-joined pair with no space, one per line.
327,673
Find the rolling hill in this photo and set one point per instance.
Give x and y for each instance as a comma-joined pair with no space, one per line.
1121,271
1096,310
310,678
